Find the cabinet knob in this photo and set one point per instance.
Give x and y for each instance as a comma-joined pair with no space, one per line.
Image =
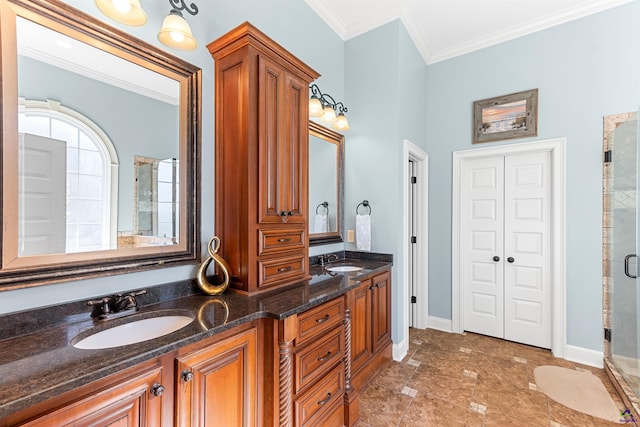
157,389
510,259
496,258
186,375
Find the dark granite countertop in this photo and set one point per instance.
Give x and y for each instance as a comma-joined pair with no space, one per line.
38,360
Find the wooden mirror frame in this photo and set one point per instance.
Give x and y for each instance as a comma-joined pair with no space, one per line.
319,131
19,272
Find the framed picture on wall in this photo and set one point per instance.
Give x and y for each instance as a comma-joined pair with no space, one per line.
506,117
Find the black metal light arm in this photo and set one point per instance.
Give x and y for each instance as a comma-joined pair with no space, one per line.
181,5
327,99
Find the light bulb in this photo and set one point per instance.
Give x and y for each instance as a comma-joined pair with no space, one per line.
123,6
176,36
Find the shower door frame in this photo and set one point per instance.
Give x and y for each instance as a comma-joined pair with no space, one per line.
610,123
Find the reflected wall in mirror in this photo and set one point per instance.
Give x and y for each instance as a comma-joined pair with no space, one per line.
88,115
326,185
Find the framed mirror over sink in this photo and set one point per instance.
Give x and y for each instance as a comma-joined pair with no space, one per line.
100,149
326,185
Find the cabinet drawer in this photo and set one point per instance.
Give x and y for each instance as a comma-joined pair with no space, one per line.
320,319
319,402
273,271
315,359
274,241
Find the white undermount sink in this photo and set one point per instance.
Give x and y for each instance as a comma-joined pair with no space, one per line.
133,332
344,268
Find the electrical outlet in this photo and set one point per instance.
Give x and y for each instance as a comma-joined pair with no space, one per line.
351,236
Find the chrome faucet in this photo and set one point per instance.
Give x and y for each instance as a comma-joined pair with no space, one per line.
115,306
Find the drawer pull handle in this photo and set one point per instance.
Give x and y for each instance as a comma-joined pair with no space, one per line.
283,269
325,357
323,319
284,240
325,400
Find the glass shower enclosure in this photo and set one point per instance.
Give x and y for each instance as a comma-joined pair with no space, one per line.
621,252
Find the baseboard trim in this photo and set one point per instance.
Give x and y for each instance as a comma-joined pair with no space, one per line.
584,356
440,324
400,350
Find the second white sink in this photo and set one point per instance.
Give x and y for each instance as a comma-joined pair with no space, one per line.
344,268
133,332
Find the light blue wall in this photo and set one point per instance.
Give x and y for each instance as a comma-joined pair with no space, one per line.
293,25
584,70
385,80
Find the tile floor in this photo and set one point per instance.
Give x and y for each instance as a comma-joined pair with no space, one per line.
468,380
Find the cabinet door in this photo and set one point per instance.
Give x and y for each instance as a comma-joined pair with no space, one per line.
361,343
381,310
217,384
130,403
282,142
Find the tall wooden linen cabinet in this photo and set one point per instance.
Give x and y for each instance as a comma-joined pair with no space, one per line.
261,113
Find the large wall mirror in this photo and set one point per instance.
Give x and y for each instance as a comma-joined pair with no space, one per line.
100,149
326,185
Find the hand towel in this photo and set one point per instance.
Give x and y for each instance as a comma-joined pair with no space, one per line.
363,232
321,224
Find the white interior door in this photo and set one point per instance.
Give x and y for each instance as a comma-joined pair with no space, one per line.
43,201
506,230
527,249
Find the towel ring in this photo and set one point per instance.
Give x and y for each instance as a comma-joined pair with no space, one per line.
364,203
324,205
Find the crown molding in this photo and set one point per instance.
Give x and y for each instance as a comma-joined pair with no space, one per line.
521,30
418,35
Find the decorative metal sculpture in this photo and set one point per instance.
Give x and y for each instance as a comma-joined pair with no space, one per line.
203,283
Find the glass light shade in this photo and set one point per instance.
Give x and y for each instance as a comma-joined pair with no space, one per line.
341,122
176,33
315,107
127,12
328,114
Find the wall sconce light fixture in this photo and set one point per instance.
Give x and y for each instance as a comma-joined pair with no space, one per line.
175,31
127,12
324,106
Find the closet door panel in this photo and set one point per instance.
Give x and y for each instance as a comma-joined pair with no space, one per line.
527,249
482,218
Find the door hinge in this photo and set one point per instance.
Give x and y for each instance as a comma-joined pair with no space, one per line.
414,300
414,180
414,239
608,156
607,334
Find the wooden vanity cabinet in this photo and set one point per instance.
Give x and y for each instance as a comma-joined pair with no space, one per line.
134,397
261,114
371,346
216,385
312,367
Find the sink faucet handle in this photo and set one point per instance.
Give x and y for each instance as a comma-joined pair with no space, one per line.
103,304
322,260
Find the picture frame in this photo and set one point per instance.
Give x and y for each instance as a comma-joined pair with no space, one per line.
506,117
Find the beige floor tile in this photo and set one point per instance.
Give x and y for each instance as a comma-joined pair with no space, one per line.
427,410
487,385
382,407
395,376
455,389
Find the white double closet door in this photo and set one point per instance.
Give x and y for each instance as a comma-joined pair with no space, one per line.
506,247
